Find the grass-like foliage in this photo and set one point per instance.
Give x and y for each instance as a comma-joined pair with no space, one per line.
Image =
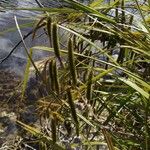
97,82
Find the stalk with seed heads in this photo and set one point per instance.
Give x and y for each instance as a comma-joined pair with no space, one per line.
89,87
49,23
44,72
71,62
51,77
53,128
56,43
73,110
55,76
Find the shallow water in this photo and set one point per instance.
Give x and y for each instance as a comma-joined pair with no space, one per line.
9,36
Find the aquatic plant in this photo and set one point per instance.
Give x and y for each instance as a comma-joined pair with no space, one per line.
97,85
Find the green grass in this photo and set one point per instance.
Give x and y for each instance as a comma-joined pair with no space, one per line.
113,93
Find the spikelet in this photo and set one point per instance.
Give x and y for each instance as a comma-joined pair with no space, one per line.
73,111
51,79
53,129
55,77
89,87
55,40
56,43
71,62
44,72
74,42
49,23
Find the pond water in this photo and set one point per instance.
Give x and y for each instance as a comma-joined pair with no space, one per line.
9,36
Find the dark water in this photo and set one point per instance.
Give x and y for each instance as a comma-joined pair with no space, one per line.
9,36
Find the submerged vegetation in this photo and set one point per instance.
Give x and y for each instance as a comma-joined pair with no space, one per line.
94,88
